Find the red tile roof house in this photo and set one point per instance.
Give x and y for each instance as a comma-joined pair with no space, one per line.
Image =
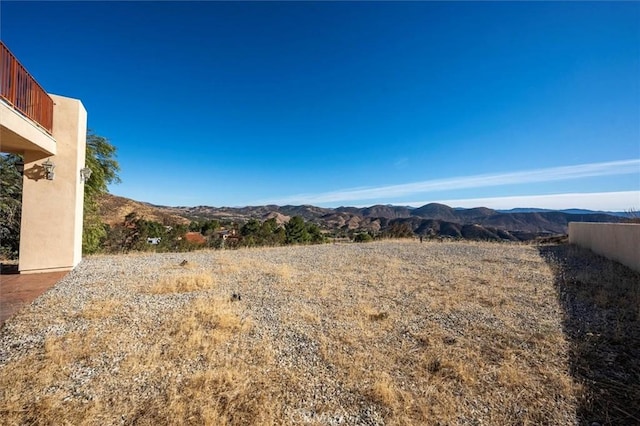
195,238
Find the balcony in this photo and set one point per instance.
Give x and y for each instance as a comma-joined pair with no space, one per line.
26,110
20,90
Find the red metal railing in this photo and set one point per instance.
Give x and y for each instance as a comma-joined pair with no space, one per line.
23,92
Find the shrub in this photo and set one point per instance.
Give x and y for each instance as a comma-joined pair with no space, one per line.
363,237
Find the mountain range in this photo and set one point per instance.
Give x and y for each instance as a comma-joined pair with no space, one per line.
570,211
429,220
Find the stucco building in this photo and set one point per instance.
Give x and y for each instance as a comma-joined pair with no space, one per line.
49,131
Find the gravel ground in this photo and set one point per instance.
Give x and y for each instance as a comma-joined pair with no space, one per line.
354,334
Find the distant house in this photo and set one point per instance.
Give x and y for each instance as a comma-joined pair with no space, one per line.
195,238
226,233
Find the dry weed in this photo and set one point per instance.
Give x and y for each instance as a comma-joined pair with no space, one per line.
98,309
183,284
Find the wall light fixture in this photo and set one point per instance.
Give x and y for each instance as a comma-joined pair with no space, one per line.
85,174
48,169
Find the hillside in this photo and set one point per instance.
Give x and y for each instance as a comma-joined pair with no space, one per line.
429,220
113,209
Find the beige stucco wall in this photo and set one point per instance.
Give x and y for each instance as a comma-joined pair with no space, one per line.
616,241
51,228
19,134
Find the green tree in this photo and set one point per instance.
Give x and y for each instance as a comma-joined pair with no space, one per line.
205,227
268,227
296,231
271,233
100,158
252,227
177,241
209,227
315,234
10,205
278,237
250,233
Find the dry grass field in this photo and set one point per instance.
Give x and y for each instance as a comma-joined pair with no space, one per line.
394,332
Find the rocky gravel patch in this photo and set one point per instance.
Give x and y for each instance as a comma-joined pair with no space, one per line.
354,334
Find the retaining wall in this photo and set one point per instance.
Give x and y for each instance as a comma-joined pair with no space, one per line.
615,241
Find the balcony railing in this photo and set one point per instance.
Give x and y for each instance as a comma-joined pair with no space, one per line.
21,90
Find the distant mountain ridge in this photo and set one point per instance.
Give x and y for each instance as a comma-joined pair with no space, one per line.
570,211
432,219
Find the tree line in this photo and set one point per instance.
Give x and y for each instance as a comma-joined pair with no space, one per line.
135,233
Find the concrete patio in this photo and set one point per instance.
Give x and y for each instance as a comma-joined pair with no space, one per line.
18,290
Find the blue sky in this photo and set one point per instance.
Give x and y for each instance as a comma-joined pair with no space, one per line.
527,104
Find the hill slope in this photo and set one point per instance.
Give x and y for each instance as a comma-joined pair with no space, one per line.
113,210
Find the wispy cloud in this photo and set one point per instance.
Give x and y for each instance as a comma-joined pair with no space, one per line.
465,182
401,163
